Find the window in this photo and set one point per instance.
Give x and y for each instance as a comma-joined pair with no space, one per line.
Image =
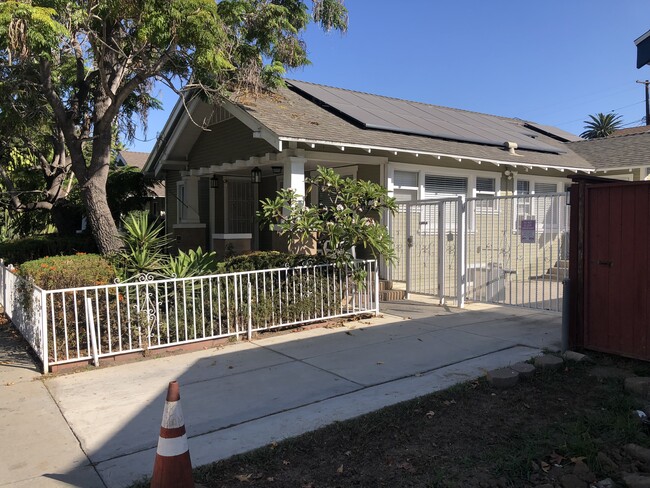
444,186
438,187
523,187
545,187
181,206
405,180
485,192
647,173
240,206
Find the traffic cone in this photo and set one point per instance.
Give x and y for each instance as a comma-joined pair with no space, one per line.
173,467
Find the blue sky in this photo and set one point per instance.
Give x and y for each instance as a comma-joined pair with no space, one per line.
553,62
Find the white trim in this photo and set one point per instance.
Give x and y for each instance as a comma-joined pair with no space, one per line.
422,170
458,157
539,179
188,226
232,236
617,168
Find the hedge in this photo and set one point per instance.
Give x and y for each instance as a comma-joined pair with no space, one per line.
29,248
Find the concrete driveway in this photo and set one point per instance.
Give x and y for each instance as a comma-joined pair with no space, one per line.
246,395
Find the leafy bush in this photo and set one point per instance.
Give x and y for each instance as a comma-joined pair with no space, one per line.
268,260
57,272
30,248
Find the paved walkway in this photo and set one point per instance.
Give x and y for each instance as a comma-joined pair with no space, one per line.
99,428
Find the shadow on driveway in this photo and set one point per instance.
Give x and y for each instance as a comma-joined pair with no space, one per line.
248,394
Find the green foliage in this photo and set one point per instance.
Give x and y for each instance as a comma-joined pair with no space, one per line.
93,64
267,260
192,263
56,272
350,217
601,125
127,190
144,246
29,248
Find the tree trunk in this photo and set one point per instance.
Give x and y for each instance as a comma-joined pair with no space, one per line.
99,215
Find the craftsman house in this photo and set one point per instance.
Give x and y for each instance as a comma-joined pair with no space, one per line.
215,177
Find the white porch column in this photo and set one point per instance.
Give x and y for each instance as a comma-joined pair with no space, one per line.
294,177
191,199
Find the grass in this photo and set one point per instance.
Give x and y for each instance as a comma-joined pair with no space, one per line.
469,435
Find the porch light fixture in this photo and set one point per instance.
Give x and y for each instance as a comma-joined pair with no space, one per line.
276,170
214,182
256,175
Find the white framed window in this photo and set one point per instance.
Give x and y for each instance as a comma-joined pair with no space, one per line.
535,203
544,187
523,187
485,192
647,173
439,186
181,205
405,180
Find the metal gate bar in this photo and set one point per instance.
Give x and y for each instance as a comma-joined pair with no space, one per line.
511,250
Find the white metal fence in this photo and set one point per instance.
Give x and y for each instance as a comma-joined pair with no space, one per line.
510,250
89,323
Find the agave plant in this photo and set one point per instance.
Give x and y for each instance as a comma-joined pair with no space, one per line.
192,263
144,246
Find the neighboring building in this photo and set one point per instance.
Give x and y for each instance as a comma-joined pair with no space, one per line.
624,155
156,203
415,150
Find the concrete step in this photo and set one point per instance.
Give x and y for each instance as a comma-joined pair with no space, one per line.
385,285
391,295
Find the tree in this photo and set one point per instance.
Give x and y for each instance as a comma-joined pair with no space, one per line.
95,62
34,167
601,125
348,217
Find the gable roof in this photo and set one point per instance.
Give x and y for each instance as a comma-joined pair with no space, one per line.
620,151
138,160
300,112
294,116
630,130
134,158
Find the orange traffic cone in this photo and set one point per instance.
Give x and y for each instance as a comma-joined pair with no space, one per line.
173,467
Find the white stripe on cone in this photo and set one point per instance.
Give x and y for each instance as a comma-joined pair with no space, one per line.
172,447
172,415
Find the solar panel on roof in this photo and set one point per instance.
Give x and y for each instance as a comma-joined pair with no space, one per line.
382,113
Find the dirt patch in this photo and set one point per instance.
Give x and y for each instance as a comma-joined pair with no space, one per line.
563,428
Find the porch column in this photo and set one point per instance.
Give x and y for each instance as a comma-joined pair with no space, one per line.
294,177
191,200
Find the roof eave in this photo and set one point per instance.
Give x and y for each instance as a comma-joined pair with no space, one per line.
396,150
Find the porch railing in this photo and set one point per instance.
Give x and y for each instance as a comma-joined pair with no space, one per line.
149,314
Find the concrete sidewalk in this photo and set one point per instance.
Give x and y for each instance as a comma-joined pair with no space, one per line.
100,427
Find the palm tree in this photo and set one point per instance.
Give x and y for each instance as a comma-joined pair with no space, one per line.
601,125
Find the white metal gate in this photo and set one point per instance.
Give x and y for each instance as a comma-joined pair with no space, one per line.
511,250
428,237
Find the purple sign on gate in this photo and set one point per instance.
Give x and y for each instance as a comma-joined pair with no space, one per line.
528,231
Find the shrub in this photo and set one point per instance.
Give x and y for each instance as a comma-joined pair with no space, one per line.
144,245
57,272
268,260
192,263
29,248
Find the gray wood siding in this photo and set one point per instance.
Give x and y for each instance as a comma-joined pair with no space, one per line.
226,142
